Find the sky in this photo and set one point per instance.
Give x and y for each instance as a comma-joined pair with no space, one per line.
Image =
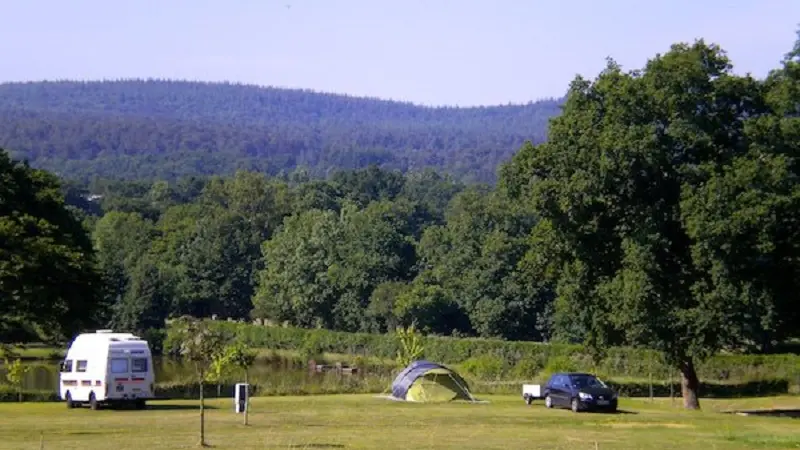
432,52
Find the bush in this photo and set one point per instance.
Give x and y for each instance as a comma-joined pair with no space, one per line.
559,364
641,389
486,367
155,338
528,369
312,385
312,348
619,362
707,389
10,394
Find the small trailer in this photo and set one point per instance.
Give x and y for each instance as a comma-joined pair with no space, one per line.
531,392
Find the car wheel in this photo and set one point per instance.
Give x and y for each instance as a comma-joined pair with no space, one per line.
93,402
576,407
69,402
548,401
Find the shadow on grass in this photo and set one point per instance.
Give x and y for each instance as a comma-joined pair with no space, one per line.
791,413
316,446
160,407
163,407
612,413
602,411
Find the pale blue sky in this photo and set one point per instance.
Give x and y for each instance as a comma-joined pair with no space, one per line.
456,52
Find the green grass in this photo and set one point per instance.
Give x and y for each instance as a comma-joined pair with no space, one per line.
362,421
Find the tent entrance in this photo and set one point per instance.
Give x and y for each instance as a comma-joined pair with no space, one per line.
436,385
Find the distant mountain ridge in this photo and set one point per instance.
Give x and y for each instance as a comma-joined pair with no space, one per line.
166,129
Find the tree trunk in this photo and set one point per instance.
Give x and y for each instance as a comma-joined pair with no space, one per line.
202,416
690,385
247,401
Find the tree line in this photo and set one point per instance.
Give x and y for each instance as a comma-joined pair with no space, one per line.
366,250
662,212
161,129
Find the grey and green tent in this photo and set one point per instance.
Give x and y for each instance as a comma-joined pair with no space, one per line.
424,381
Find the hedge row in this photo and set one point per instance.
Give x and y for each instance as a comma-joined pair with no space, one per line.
372,385
641,389
184,390
619,362
9,394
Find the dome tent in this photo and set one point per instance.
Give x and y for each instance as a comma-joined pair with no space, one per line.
424,381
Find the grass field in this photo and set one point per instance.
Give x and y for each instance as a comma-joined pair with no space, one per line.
366,422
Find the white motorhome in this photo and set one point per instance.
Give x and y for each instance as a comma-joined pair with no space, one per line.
106,367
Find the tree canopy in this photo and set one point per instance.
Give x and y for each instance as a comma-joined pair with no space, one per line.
668,200
48,282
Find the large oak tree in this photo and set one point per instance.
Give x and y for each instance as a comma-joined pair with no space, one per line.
669,198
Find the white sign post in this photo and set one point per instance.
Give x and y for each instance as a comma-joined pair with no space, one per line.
241,394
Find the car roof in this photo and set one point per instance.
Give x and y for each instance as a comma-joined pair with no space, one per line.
574,374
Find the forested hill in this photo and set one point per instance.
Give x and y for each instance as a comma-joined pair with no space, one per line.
167,129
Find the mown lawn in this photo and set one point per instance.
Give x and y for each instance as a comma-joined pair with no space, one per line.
363,421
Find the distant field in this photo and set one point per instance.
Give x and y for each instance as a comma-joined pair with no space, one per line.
362,421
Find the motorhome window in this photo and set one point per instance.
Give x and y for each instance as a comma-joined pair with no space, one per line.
81,366
139,365
119,365
66,366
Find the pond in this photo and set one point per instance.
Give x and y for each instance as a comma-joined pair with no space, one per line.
276,375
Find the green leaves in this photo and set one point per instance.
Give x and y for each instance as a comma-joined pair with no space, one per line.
199,344
236,356
240,355
474,264
611,185
322,267
411,347
15,373
668,199
47,272
294,285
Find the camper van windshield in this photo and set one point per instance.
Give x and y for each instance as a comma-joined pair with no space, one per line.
119,365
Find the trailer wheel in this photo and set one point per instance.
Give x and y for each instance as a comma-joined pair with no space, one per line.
528,399
68,401
93,402
140,404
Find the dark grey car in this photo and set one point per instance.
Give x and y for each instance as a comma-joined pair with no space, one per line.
579,392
